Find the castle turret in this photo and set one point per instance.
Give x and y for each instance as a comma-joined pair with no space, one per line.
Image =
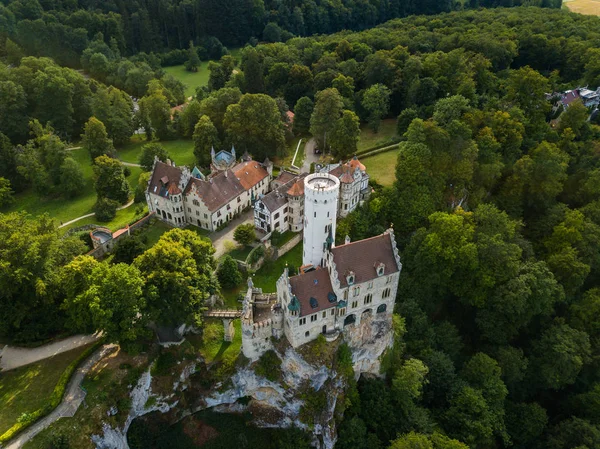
321,192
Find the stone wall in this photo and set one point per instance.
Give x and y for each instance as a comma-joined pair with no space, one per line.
142,222
288,245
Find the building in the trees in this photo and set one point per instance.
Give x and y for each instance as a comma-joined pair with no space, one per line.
282,209
349,284
181,197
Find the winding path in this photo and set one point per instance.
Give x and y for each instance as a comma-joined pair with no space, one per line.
71,400
91,215
14,357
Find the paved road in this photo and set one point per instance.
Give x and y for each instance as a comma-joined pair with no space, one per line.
71,401
91,215
130,164
309,155
14,357
219,238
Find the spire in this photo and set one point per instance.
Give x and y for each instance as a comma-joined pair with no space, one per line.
212,152
233,151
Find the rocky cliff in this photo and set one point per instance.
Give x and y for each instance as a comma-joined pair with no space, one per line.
308,393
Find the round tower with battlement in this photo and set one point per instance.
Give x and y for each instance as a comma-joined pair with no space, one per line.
321,193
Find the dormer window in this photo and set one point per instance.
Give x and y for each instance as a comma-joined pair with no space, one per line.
380,269
350,277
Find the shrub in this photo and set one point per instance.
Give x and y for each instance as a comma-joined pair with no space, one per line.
244,234
105,209
165,361
269,366
256,254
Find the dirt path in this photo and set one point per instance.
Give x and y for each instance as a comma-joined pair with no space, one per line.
130,164
71,401
14,357
91,215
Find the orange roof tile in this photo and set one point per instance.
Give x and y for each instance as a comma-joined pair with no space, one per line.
297,189
354,163
250,173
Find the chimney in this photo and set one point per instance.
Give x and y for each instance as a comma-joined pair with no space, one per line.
347,240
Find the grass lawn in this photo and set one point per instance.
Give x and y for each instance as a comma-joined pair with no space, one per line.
369,139
26,389
153,232
67,209
230,296
181,151
382,167
192,80
211,345
267,276
282,239
240,253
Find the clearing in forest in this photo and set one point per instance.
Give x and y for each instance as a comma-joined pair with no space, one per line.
591,7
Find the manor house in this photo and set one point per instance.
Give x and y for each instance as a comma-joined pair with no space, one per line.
182,197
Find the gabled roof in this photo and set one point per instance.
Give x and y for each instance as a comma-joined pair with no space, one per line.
279,197
362,257
297,188
313,286
569,97
217,191
355,163
250,173
164,180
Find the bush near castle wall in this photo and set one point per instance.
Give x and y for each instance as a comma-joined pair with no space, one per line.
27,419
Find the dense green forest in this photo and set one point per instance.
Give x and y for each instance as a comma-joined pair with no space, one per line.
497,214
63,29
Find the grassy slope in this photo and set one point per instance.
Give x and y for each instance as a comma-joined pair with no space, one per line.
180,150
26,389
190,79
267,276
64,209
369,139
382,167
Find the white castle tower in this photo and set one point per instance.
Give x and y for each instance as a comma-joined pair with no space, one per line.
321,192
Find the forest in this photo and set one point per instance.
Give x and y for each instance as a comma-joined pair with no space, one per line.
496,212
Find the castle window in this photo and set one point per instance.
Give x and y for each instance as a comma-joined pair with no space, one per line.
324,314
368,299
189,209
354,304
345,295
302,321
307,334
370,286
381,270
332,312
386,293
313,318
315,215
205,216
356,291
388,280
276,216
343,311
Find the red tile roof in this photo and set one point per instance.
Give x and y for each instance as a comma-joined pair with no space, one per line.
354,163
363,257
314,284
250,173
297,189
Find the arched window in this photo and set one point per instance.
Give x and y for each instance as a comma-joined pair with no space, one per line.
307,333
368,299
386,293
382,308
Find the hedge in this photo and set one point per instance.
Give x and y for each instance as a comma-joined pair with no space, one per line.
55,397
393,141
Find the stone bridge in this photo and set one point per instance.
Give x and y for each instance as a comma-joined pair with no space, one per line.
227,316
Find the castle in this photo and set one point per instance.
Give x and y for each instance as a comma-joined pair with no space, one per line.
338,286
